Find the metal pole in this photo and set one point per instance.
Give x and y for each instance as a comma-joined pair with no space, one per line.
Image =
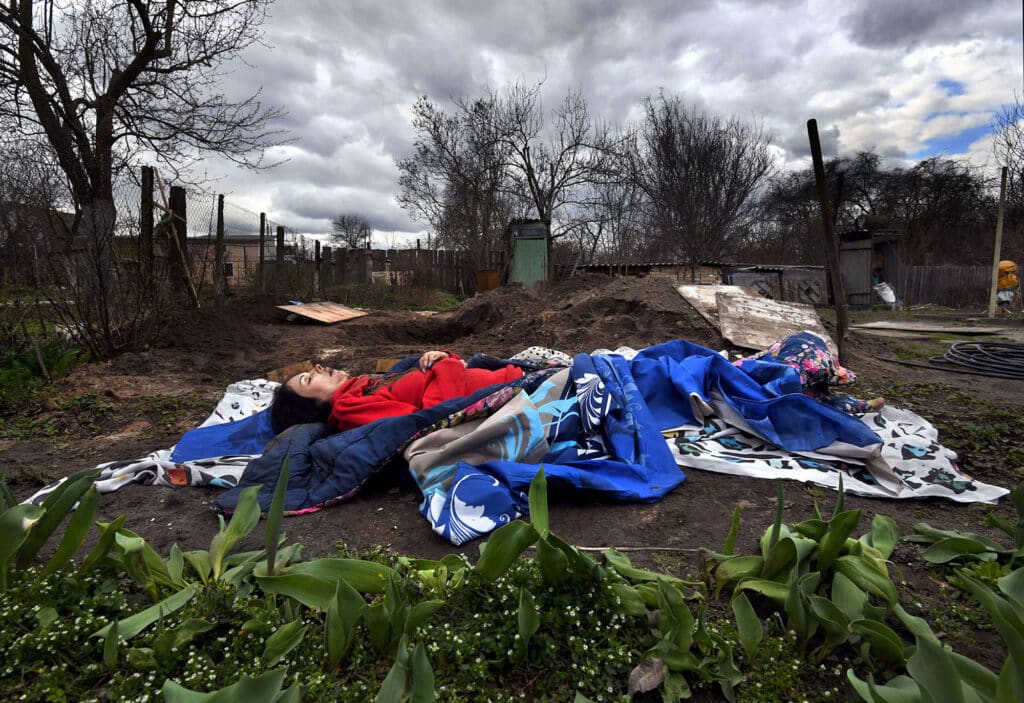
218,254
146,226
830,241
279,262
999,245
260,271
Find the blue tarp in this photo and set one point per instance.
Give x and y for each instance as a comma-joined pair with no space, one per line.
246,436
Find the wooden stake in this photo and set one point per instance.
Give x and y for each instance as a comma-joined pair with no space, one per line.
830,242
172,233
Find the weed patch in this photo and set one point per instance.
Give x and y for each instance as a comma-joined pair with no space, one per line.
126,623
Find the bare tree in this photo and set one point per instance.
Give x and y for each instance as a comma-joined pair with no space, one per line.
501,157
102,81
1008,130
350,230
788,228
456,180
944,207
553,163
608,228
31,222
701,177
947,209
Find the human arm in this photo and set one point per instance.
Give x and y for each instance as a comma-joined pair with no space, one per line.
430,358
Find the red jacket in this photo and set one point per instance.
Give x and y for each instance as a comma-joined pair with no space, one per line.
357,402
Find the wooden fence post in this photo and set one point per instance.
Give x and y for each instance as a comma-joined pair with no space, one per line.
218,255
261,276
146,227
279,261
179,233
317,287
830,241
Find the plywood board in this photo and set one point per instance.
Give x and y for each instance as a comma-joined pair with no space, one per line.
282,374
925,326
325,312
702,298
751,322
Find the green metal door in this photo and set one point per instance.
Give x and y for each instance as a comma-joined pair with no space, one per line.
530,258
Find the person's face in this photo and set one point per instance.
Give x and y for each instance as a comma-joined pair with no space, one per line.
320,383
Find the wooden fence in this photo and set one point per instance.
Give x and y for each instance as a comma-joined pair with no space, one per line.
313,271
948,286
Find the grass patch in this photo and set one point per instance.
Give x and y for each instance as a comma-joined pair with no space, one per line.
166,413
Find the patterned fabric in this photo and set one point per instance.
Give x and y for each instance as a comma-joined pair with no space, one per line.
241,400
624,352
158,469
517,431
819,371
587,426
241,403
542,356
909,444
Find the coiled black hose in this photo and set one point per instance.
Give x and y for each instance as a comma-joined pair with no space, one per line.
996,359
1000,359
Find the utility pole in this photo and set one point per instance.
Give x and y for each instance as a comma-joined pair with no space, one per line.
999,245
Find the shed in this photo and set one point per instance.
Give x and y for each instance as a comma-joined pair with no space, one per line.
867,257
529,252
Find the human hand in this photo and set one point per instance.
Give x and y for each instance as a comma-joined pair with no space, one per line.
430,358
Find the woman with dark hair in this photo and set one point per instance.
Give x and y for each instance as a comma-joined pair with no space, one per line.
330,395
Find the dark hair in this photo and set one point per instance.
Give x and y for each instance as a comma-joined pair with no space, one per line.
289,408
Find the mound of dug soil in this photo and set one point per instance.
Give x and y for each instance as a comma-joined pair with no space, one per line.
578,315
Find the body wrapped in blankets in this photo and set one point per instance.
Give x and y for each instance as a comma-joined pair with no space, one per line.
597,425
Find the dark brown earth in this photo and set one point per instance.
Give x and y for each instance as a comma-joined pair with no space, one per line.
135,403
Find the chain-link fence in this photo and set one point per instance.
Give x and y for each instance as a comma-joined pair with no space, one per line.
167,235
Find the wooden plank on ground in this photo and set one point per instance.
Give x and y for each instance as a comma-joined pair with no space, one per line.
702,298
753,322
925,326
282,374
325,312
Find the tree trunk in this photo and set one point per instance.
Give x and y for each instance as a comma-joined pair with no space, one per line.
92,261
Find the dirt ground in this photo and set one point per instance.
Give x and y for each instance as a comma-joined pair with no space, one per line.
135,403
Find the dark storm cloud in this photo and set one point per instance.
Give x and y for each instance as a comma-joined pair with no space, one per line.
348,74
910,22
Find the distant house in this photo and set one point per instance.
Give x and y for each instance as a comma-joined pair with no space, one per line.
241,257
29,235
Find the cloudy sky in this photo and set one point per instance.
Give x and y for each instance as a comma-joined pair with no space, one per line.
909,78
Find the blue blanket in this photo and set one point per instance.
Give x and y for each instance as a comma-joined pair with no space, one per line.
766,395
608,443
603,442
